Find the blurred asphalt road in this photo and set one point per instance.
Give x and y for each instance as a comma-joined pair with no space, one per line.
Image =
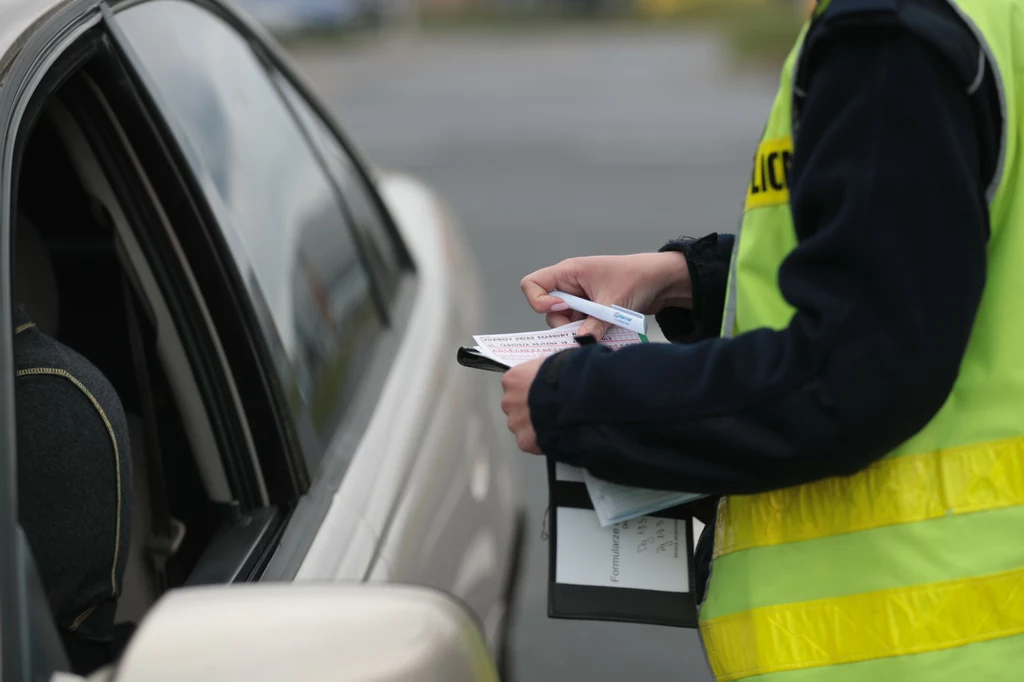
550,145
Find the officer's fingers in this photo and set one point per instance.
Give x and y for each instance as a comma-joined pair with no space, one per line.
536,291
557,319
594,327
536,286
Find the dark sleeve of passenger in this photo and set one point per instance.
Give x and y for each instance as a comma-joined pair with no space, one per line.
886,280
707,259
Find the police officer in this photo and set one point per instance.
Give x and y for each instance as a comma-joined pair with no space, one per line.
849,375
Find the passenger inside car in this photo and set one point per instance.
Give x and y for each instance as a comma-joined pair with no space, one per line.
74,465
91,519
114,312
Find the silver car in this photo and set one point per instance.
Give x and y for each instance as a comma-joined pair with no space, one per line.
295,314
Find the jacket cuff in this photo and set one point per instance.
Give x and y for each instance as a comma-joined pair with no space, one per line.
707,259
545,403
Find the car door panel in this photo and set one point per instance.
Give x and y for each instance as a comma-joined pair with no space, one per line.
451,530
434,474
455,525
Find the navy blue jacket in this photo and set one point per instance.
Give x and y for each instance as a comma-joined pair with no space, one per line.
887,186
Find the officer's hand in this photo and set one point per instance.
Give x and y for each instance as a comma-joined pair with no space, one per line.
644,282
516,405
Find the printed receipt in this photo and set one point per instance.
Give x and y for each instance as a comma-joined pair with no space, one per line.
514,349
648,553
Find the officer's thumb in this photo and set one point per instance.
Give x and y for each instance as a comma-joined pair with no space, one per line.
594,327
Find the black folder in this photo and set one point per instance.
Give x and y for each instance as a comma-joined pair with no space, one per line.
469,357
634,601
673,605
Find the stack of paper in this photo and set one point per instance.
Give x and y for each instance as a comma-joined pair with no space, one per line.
616,503
515,349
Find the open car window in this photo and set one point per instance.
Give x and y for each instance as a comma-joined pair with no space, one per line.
291,238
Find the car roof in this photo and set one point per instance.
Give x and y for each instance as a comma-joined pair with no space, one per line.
18,18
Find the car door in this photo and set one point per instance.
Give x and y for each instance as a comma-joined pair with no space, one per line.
410,477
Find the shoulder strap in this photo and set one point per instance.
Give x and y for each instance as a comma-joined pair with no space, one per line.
935,22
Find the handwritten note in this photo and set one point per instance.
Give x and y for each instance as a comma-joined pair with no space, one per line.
648,553
515,349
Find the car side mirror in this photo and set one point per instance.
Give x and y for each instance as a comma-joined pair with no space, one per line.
298,632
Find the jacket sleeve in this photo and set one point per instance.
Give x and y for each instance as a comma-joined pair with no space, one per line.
887,195
707,259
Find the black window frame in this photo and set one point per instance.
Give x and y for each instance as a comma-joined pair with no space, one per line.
277,63
249,527
156,245
314,494
276,66
312,450
31,648
250,361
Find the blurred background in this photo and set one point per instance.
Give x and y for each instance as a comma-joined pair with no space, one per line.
556,128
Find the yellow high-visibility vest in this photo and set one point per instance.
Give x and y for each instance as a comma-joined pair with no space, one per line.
913,569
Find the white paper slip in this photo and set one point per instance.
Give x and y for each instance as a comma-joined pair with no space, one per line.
647,553
698,530
614,503
564,472
515,349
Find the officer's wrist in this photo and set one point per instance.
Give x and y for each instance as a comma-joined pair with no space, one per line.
673,274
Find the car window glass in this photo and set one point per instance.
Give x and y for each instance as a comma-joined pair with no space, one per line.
278,210
381,250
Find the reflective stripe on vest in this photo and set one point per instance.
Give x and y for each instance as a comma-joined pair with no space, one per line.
907,489
862,627
912,569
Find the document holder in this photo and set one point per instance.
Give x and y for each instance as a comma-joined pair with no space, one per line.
469,357
638,571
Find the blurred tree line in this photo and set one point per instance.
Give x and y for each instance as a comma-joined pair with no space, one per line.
760,31
648,8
